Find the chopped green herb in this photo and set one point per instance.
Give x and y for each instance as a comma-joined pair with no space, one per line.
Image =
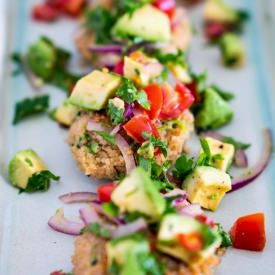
115,114
226,240
30,106
97,229
143,100
150,264
106,136
17,59
127,90
100,21
94,147
156,142
183,167
39,181
237,144
178,58
129,6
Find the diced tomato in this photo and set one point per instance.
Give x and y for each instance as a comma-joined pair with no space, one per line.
154,95
104,191
167,6
139,124
60,272
74,7
191,241
248,232
194,90
205,220
118,69
175,101
57,4
44,12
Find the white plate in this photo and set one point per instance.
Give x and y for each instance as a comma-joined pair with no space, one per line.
27,245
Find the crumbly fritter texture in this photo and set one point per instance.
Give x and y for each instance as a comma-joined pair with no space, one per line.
88,245
108,162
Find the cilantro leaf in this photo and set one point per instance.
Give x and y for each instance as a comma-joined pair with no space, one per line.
40,181
226,240
17,59
30,106
127,90
100,21
106,136
143,100
237,144
183,167
178,58
150,264
227,96
200,81
97,229
156,142
115,114
129,6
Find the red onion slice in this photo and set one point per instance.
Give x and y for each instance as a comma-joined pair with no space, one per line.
253,172
175,192
110,48
129,111
74,197
59,223
191,210
115,130
88,214
124,148
240,159
130,228
94,126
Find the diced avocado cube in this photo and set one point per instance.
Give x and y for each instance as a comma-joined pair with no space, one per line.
215,111
65,113
207,186
41,58
138,193
147,22
180,72
172,225
125,252
218,10
225,150
232,49
23,165
92,91
141,72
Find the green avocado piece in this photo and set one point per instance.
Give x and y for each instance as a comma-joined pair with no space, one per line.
92,91
147,22
215,111
174,224
23,165
125,254
232,49
218,10
138,193
65,113
41,58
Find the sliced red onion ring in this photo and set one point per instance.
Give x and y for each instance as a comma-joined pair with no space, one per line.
94,126
253,172
78,197
191,210
109,60
110,48
115,130
88,214
130,228
129,111
124,148
240,159
100,211
59,223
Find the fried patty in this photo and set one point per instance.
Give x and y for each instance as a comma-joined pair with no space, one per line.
107,162
90,258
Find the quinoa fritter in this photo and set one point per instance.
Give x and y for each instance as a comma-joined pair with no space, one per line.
90,258
106,162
